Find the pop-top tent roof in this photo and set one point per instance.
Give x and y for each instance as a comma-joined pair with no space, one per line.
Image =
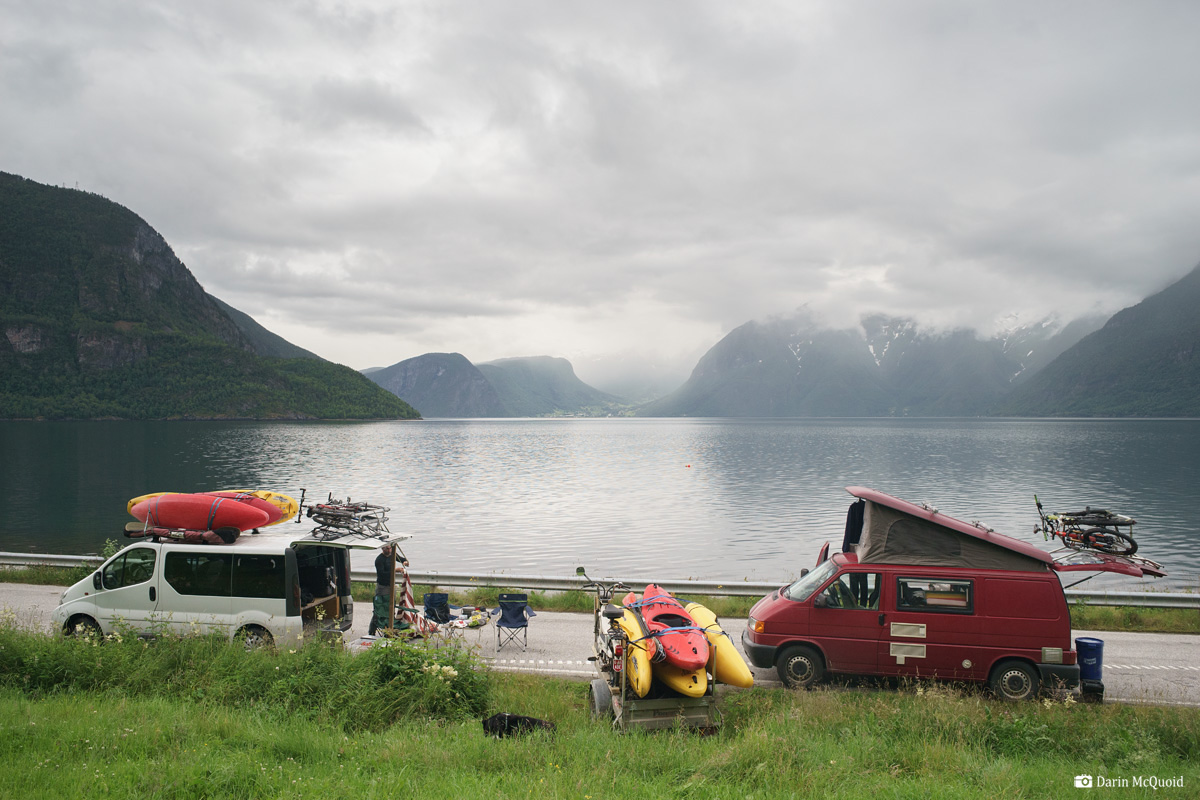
895,531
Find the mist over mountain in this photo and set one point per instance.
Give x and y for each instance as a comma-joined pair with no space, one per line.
790,366
1145,361
100,319
538,386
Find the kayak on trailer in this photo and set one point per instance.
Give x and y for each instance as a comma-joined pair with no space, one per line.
725,663
197,512
638,648
683,642
689,683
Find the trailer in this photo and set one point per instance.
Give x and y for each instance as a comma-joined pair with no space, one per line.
611,696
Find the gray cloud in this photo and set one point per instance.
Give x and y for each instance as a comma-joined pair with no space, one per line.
378,180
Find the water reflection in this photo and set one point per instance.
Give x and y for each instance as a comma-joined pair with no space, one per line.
703,498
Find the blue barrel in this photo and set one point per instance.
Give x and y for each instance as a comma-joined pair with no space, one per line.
1091,657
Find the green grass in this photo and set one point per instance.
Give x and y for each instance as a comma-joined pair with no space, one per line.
935,743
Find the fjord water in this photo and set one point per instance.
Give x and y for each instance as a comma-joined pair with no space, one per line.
673,498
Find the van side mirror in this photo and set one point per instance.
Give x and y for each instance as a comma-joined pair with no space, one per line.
821,601
803,572
96,579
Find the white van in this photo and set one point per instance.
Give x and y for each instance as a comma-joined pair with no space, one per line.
267,587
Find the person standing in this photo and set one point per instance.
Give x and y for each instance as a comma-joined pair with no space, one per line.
385,586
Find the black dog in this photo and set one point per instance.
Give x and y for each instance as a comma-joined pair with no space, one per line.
505,724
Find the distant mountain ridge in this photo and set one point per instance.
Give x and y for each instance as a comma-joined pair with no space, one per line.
1145,361
448,385
100,319
790,366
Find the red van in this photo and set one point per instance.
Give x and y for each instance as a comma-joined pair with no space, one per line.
918,594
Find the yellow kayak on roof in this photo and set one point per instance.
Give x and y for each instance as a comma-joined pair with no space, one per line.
725,662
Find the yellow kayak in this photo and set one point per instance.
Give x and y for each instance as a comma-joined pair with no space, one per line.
637,655
287,507
692,683
725,662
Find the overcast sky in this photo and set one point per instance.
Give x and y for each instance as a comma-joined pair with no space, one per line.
612,180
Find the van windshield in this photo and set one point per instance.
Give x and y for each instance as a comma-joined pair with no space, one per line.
802,589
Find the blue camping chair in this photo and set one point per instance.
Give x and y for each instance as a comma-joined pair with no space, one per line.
437,607
513,625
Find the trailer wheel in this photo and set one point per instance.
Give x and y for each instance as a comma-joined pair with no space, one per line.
800,667
601,700
1014,681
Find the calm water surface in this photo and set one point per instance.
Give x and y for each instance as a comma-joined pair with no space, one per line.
704,498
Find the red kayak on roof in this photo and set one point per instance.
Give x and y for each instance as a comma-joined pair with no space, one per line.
274,513
683,641
198,512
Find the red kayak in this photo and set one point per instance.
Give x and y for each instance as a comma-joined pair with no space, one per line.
653,646
683,641
274,513
198,512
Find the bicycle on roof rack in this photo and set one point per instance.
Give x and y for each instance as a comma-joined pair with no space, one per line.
1090,529
336,518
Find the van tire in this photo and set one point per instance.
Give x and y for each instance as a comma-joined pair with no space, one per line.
255,637
1014,681
800,667
81,625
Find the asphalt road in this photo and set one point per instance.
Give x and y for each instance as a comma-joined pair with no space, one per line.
1151,668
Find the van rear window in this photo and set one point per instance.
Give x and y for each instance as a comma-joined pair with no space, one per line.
925,594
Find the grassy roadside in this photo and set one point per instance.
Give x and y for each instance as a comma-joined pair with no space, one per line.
200,718
1083,617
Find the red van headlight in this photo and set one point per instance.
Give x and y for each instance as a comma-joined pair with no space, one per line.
756,625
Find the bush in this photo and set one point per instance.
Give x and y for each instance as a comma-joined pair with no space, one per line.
371,691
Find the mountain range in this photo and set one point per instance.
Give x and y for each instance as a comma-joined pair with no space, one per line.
100,319
789,366
448,385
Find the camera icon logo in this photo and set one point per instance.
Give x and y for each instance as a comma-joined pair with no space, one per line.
1083,781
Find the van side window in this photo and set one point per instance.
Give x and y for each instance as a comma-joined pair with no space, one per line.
199,573
924,594
130,568
258,576
853,590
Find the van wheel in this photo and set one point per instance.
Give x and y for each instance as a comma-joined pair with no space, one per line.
1014,681
255,637
82,626
800,667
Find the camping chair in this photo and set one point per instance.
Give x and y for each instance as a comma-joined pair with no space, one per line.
437,607
514,614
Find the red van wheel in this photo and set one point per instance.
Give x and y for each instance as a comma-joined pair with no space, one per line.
1014,680
800,667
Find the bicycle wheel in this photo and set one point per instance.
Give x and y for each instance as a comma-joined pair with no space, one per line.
1107,540
1073,537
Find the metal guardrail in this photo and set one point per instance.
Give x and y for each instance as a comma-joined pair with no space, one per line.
681,586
